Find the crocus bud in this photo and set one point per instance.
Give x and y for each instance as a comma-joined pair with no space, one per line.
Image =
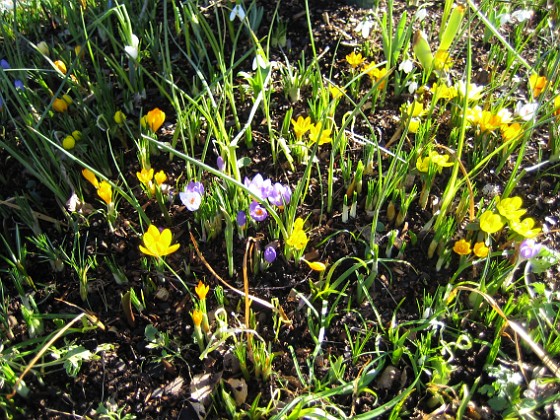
422,50
43,48
453,25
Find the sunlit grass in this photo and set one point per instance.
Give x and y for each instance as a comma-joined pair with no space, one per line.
177,127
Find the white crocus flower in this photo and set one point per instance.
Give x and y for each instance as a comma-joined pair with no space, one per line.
526,111
132,50
238,12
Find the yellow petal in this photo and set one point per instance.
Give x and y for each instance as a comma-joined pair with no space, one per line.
90,176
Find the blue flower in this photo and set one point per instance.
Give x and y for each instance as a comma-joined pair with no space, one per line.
241,218
269,253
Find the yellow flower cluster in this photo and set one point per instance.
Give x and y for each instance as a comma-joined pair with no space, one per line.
298,239
375,73
145,176
317,133
509,211
440,161
414,111
61,105
70,141
463,247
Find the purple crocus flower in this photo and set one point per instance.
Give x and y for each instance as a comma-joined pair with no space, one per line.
4,64
280,195
241,218
529,249
259,186
220,163
269,253
18,84
257,212
195,187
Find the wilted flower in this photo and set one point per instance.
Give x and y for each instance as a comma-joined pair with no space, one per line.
462,247
298,239
301,126
201,290
257,212
153,119
529,248
157,244
355,60
480,250
491,222
269,253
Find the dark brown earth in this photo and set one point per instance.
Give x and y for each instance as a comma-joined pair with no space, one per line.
154,383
